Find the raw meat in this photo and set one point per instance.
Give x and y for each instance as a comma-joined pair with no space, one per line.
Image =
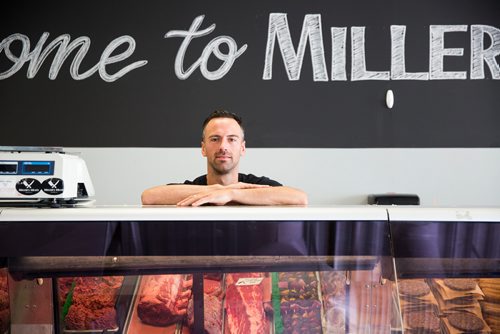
93,302
164,299
370,307
333,288
300,306
82,318
4,302
244,306
212,302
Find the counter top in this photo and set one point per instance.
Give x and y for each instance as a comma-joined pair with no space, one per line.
412,213
205,213
253,213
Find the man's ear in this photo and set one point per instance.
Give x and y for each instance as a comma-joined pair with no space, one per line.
243,148
203,152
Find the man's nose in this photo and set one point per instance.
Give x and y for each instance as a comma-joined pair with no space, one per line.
224,144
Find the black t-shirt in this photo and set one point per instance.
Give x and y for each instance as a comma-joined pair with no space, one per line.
247,178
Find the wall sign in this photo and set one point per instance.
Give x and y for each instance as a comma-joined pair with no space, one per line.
301,76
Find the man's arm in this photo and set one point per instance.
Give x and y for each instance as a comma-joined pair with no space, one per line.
173,193
252,196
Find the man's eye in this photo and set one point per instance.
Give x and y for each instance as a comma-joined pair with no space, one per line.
214,139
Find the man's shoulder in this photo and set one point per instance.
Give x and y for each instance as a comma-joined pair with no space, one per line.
199,181
250,178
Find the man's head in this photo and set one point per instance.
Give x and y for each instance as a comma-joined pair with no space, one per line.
223,142
222,114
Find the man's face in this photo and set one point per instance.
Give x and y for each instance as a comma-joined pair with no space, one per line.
223,144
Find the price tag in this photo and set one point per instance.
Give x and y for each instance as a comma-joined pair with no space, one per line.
249,281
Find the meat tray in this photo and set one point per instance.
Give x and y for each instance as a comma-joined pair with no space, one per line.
340,307
248,304
121,306
225,301
134,323
164,304
362,303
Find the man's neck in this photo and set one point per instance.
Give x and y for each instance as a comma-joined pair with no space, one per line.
225,179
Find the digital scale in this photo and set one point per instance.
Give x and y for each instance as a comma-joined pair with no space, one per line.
42,176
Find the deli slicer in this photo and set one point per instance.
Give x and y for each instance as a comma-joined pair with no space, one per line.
42,176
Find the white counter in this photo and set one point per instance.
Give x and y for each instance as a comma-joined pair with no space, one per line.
206,213
249,213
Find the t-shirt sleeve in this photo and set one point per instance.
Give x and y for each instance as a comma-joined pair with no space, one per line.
180,183
250,178
199,181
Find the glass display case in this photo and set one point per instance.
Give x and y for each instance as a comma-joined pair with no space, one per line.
448,268
365,269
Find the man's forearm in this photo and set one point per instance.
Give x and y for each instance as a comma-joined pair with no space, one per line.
270,196
240,193
171,194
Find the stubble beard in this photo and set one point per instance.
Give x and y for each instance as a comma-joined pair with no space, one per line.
222,169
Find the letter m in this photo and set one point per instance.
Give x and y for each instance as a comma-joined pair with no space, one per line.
311,31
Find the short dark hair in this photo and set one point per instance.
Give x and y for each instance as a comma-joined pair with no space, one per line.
220,113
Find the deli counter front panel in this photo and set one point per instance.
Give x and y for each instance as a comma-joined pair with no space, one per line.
231,270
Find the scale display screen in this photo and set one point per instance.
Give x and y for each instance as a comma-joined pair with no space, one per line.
7,167
37,167
26,167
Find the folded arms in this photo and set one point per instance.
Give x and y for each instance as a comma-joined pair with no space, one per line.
237,193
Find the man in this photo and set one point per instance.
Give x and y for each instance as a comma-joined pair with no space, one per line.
223,143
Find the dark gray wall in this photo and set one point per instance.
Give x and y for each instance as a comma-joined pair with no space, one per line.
151,107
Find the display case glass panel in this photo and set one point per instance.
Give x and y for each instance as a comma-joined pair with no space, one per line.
324,274
448,269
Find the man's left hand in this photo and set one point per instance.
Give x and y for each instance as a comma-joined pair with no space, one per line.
217,197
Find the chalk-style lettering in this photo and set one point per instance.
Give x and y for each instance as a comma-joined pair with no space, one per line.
213,47
17,60
311,31
279,30
64,48
188,36
438,52
398,65
479,55
338,53
358,69
106,58
39,54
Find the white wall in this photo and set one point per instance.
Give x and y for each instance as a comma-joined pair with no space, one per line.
441,177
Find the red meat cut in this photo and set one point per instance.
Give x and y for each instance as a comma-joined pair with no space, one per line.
93,302
212,299
164,299
245,306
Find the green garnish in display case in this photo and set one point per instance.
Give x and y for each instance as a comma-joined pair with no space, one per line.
68,302
278,321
